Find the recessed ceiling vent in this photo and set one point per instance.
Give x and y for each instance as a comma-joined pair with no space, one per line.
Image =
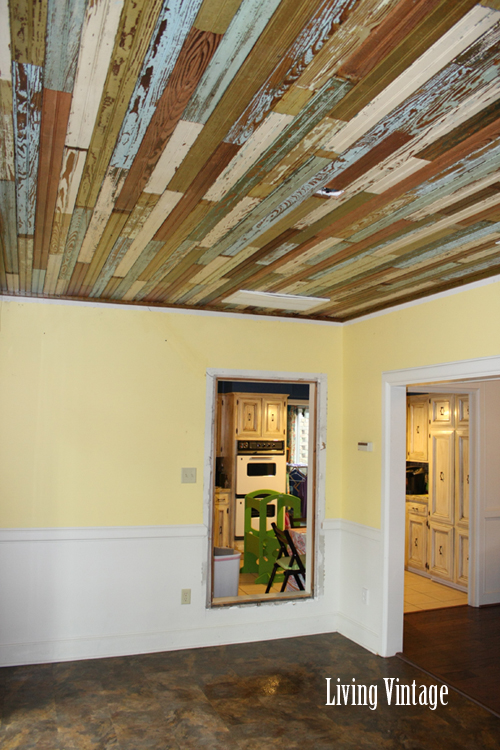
275,301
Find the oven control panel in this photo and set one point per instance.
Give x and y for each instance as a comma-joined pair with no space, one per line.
260,446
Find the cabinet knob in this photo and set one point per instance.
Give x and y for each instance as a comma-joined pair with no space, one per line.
416,542
440,550
467,479
418,429
441,476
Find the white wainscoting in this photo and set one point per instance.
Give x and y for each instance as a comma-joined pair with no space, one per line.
360,567
84,593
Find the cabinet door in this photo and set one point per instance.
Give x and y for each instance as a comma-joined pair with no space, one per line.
441,411
416,539
249,417
273,416
462,477
462,415
417,428
441,476
462,557
441,551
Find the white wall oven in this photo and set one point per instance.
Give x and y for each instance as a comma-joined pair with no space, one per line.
260,465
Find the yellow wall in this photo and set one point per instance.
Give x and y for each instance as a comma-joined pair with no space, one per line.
461,326
101,407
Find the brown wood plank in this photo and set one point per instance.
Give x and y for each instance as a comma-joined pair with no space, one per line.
422,37
378,153
470,200
196,53
395,27
77,277
279,33
55,114
461,132
206,177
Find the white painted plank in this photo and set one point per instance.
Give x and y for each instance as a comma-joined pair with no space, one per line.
459,195
262,138
5,60
229,221
165,205
173,154
12,282
451,44
391,176
7,169
294,266
111,186
96,46
69,180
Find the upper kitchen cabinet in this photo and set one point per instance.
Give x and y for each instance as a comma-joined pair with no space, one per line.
248,416
262,416
441,412
462,408
417,440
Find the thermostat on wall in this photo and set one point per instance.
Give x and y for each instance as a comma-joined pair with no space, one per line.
365,446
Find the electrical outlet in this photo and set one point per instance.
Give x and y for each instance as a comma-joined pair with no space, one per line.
185,596
365,594
188,476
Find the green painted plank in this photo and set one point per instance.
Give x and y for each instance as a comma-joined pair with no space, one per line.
64,28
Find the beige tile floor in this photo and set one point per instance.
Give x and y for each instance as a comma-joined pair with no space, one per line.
421,593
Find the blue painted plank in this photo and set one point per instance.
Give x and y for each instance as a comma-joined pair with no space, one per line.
173,24
64,27
8,235
308,43
27,108
118,251
150,251
247,25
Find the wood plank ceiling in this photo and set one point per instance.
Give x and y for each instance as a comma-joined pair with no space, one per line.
170,152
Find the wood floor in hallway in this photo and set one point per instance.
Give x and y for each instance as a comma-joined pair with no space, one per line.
460,646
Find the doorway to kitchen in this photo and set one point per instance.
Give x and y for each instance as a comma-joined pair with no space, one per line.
264,483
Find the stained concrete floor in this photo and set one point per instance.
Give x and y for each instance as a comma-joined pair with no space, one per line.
270,694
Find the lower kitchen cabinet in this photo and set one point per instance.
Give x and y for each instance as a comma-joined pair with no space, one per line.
222,529
416,542
462,557
441,551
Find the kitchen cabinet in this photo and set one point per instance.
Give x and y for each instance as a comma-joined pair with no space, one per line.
441,476
441,551
416,542
260,416
417,428
222,533
440,546
462,557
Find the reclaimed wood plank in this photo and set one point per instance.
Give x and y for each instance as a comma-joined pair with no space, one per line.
108,239
192,62
207,175
116,254
5,58
52,275
37,280
80,220
28,24
245,28
79,271
71,171
7,168
438,55
172,27
151,249
137,23
378,153
215,16
12,282
134,289
162,209
233,217
318,28
161,270
96,47
27,111
55,114
64,28
256,145
277,36
3,275
177,147
25,255
111,186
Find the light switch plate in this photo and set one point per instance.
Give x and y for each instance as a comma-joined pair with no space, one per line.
188,476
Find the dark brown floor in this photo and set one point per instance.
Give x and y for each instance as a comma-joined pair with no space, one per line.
251,696
461,646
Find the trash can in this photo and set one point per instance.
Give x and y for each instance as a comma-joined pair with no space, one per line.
226,571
